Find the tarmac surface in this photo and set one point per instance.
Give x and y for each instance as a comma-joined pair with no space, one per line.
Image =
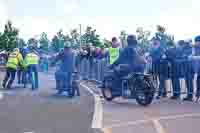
162,116
25,111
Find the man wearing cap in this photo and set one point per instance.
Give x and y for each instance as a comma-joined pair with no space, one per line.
63,75
14,60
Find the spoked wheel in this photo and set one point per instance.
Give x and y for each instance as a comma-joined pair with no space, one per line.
145,94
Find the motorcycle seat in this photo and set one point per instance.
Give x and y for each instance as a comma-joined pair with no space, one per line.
127,77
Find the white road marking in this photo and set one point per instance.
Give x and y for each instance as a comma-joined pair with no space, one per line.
178,116
158,126
156,122
1,95
138,122
98,110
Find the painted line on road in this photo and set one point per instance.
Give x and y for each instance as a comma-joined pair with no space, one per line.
159,128
155,121
138,122
98,110
178,116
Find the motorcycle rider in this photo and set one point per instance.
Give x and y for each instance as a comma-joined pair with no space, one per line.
131,59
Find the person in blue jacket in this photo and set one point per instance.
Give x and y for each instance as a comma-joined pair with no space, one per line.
131,58
156,54
63,74
188,71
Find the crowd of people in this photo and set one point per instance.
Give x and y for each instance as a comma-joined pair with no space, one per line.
177,60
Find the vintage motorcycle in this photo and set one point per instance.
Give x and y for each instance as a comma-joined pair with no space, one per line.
137,86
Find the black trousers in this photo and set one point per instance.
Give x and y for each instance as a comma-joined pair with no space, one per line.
9,78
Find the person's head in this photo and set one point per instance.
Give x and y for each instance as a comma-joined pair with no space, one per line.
115,42
156,43
181,43
197,40
170,44
16,50
131,40
67,46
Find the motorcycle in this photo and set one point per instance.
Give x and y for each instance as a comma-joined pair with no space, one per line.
137,86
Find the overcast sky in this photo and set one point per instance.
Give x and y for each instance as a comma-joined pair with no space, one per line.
181,17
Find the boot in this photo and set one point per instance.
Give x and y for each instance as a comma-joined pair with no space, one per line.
175,97
188,98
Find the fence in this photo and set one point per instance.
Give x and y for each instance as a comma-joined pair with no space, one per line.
94,70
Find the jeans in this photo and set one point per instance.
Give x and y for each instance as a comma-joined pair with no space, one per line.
33,76
9,78
63,80
176,86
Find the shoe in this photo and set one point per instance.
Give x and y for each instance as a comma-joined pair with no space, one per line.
4,85
175,97
188,99
158,97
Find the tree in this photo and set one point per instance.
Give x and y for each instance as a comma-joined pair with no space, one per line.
20,43
90,36
75,38
123,37
143,38
55,43
163,36
8,40
33,42
106,43
44,41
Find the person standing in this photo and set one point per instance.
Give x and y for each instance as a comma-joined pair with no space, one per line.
14,60
32,61
63,75
156,54
114,51
172,55
188,71
196,60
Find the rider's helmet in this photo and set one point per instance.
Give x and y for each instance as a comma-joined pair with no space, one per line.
131,40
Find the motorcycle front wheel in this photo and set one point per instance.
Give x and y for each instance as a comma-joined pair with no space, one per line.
145,93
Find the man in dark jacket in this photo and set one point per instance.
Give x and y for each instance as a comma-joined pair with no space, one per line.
173,55
158,66
131,58
65,69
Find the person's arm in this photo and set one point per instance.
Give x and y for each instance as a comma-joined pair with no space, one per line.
56,59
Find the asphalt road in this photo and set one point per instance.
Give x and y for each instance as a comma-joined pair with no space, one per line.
162,116
43,112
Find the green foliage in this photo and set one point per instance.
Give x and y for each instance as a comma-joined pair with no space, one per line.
33,42
20,43
90,37
163,36
44,41
55,43
8,39
106,43
143,38
123,38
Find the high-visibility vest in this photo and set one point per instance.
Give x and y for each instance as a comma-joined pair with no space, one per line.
13,60
31,59
113,54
